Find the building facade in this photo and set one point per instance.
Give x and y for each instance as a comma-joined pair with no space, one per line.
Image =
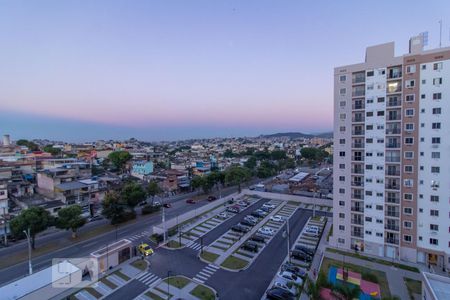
392,154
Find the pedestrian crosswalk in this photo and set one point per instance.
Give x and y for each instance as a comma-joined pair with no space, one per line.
205,273
139,236
147,278
193,245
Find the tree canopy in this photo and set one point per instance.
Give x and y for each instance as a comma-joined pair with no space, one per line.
35,218
119,159
69,218
113,208
51,150
29,144
133,194
236,175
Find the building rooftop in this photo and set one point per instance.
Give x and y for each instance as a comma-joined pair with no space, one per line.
439,285
71,185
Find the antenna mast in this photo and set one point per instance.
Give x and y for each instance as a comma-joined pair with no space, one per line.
440,33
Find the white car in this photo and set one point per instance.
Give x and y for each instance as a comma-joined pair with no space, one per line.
266,231
277,218
283,284
223,215
311,232
269,206
312,228
289,276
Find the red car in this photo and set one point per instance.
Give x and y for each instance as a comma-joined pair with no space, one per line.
190,201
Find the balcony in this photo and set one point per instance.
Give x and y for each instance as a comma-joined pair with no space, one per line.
394,74
394,214
392,103
357,234
358,119
357,183
358,132
359,93
358,78
394,87
358,171
358,196
391,186
393,131
357,209
392,172
394,117
394,227
357,158
393,145
393,200
357,221
358,106
392,159
358,145
390,240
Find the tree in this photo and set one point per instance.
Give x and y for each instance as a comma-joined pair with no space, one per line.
36,219
251,163
113,208
312,289
266,169
197,182
228,153
119,159
133,194
51,150
153,189
70,218
29,144
236,175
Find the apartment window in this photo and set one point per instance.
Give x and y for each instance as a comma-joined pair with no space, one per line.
341,203
409,83
368,193
342,141
409,154
369,101
380,127
342,153
341,241
342,215
368,219
437,81
380,99
435,154
342,128
434,212
435,140
341,191
409,98
422,139
434,227
424,81
342,116
407,210
435,170
436,125
379,221
368,206
437,96
407,238
369,114
434,241
379,207
407,224
380,154
423,67
380,168
409,126
411,69
408,196
422,96
368,232
436,111
369,167
341,227
369,127
342,78
409,140
437,66
409,112
370,73
370,86
379,234
380,113
342,166
368,180
421,168
342,103
408,182
341,178
380,141
369,153
380,194
343,91
369,141
409,169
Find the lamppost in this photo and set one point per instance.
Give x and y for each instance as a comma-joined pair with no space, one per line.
168,279
30,267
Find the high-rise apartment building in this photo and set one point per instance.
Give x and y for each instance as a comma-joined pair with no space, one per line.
392,154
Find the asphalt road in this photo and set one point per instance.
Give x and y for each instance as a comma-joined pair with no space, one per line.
248,284
84,248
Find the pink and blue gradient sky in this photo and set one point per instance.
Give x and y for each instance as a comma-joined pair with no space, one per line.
156,70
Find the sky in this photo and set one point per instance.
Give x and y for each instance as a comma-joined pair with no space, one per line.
165,70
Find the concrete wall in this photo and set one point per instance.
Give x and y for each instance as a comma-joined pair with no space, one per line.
287,197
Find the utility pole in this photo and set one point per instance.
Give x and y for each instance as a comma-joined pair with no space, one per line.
288,241
164,223
5,226
30,267
440,33
201,245
179,232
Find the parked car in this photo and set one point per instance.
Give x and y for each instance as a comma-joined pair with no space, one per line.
240,228
251,220
95,218
301,256
278,219
305,249
265,209
167,205
266,230
310,232
284,284
212,198
156,203
190,201
257,215
262,212
277,293
246,223
234,209
291,277
243,203
269,206
293,269
223,215
258,238
250,246
145,249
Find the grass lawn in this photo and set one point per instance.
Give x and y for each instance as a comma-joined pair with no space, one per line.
140,264
177,281
153,296
93,292
295,203
121,275
163,292
202,292
174,244
376,260
413,286
234,263
381,276
108,283
209,256
218,247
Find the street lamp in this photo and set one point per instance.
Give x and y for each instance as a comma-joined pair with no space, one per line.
168,285
30,267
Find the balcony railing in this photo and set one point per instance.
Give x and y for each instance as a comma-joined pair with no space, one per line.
394,118
391,227
358,145
391,241
393,200
358,196
393,145
391,186
357,234
358,79
396,74
393,131
357,222
390,213
358,93
358,106
358,132
392,159
357,158
394,103
358,171
357,209
358,119
357,183
393,172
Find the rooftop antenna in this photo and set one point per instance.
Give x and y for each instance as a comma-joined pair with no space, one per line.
440,33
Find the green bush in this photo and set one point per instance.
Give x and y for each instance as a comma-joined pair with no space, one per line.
158,238
148,209
370,277
173,231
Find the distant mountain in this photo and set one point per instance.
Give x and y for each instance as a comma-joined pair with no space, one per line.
297,135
